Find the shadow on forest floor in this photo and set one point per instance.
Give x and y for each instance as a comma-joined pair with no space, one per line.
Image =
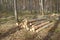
10,31
51,31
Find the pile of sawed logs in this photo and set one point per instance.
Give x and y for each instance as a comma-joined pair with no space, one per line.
35,24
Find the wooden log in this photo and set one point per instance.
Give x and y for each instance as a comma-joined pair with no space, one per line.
34,20
39,22
36,23
39,26
24,25
42,24
46,26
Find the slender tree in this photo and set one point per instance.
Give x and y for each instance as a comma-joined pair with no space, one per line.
42,6
15,11
30,5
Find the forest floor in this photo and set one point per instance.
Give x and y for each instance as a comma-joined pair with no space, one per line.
9,31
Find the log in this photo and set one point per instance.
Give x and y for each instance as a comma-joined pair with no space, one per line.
38,23
34,20
35,24
39,26
46,26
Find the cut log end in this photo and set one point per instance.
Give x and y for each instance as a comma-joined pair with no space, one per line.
17,24
33,30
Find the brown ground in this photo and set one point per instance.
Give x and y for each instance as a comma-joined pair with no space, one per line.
9,31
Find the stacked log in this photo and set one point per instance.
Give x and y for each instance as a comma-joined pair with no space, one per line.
46,26
39,26
35,25
34,20
26,23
